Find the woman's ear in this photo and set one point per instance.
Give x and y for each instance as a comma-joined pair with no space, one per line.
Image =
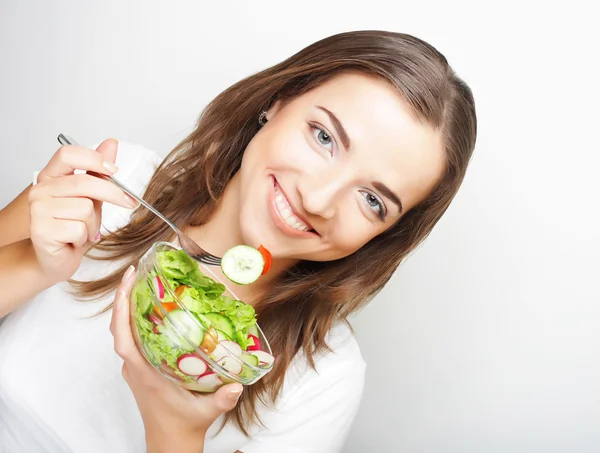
277,105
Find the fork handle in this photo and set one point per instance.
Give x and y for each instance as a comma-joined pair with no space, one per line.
64,140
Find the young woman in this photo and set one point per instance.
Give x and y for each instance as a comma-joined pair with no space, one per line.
340,160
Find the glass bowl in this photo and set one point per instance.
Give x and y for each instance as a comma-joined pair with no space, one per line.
191,327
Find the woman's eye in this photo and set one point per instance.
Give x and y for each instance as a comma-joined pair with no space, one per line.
375,204
322,137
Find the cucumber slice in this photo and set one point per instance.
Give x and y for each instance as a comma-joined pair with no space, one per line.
186,327
222,323
247,371
242,264
221,336
144,303
250,359
142,296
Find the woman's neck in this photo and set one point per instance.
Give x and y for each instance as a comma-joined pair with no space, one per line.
221,232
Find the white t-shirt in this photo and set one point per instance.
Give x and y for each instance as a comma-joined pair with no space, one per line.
61,389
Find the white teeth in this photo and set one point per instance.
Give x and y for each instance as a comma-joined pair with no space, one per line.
287,214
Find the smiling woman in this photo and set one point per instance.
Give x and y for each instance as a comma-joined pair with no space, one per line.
339,160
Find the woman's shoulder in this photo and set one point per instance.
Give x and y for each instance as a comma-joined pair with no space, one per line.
136,164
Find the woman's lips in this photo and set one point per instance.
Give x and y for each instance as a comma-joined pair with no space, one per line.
279,202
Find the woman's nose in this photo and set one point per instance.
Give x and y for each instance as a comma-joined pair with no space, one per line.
320,193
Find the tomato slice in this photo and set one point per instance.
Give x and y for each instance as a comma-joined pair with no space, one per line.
267,257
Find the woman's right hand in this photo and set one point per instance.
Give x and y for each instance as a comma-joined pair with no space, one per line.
65,208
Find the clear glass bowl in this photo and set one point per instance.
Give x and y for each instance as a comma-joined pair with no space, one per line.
196,350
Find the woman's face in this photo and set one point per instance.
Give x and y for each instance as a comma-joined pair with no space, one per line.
334,168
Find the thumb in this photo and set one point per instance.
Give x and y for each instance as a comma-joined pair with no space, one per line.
108,149
227,397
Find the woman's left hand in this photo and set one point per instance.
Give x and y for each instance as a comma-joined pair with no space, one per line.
175,419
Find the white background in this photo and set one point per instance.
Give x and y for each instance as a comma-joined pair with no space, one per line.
488,338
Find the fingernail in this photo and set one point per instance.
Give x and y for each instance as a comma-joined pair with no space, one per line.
97,237
130,202
235,394
110,167
128,273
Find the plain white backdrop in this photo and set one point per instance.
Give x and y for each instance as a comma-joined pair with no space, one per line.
488,338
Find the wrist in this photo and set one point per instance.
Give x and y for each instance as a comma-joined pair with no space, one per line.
36,274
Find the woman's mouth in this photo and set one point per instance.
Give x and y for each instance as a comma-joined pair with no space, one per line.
285,217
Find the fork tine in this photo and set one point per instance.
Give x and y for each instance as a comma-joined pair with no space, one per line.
208,259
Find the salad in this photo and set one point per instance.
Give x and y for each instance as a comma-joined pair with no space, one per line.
186,339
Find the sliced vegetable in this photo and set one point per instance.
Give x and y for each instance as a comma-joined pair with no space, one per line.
242,264
255,346
219,352
233,348
231,364
187,327
159,288
180,289
222,335
168,307
221,322
267,258
156,320
250,359
264,358
208,382
192,365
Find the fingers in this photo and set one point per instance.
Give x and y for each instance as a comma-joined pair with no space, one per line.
119,326
53,234
70,158
81,186
108,150
79,209
226,398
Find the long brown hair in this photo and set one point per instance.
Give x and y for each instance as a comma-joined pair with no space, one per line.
304,302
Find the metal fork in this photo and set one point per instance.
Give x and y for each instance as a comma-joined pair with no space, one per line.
187,244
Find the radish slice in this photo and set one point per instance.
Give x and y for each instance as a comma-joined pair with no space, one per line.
231,364
232,347
264,358
208,382
192,365
219,352
155,330
156,320
256,345
159,288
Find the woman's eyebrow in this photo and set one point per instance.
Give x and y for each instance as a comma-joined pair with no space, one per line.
387,192
338,127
